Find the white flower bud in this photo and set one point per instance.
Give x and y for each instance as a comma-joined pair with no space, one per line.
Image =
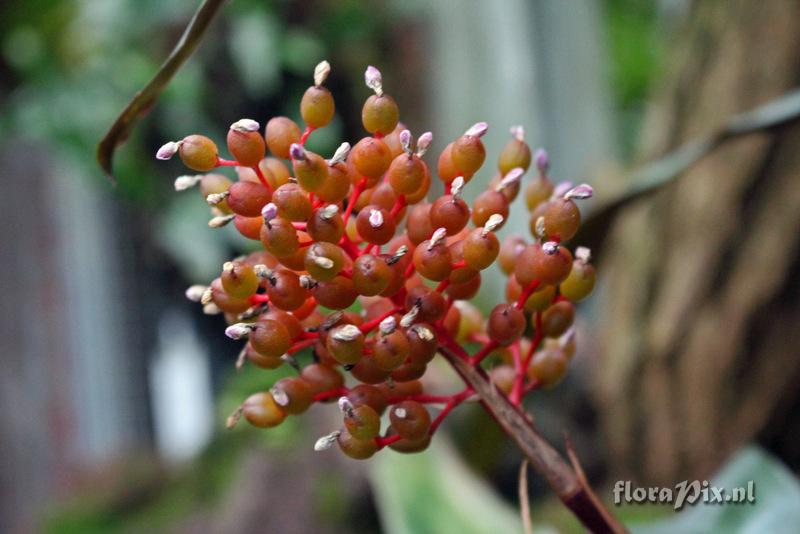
347,333
438,236
511,178
220,220
518,132
211,309
340,155
321,72
215,198
424,333
327,212
373,79
494,221
326,442
245,126
409,318
168,150
182,183
195,292
584,254
456,186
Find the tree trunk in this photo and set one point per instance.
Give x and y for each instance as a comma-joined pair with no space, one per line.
700,307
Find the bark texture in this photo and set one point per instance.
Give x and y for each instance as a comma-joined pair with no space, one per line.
701,307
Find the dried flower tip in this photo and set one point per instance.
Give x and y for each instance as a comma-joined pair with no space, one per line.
321,72
211,309
340,155
438,236
280,396
406,139
269,212
550,247
580,192
518,132
347,333
168,150
495,220
262,271
234,417
346,406
182,183
241,358
327,212
424,143
409,318
227,267
567,337
215,198
394,258
290,360
400,413
375,218
207,295
583,254
245,126
540,228
388,325
306,282
331,321
323,262
297,152
326,442
373,79
542,160
477,130
456,186
239,330
220,220
511,178
424,333
253,311
195,292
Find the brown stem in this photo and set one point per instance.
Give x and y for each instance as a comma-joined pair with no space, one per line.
545,459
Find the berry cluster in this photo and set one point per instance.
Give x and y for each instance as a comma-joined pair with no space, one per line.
356,232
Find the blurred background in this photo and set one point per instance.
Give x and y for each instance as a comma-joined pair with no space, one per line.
114,389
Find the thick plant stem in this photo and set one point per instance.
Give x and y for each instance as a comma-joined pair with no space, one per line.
543,457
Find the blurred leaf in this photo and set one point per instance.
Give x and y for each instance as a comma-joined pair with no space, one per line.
434,492
254,38
776,509
143,101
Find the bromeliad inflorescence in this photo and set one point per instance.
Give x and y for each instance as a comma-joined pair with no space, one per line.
357,231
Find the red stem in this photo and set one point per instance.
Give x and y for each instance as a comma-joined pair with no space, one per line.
369,326
306,133
357,190
227,162
261,177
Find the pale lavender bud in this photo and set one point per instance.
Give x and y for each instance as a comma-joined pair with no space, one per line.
239,330
388,325
580,192
245,126
542,160
518,133
424,143
477,130
269,212
297,152
280,396
168,150
373,79
345,405
375,218
561,189
550,247
405,141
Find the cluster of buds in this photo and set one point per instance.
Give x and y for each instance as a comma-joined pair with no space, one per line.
359,266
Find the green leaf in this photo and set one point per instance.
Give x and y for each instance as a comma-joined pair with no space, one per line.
776,510
434,492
